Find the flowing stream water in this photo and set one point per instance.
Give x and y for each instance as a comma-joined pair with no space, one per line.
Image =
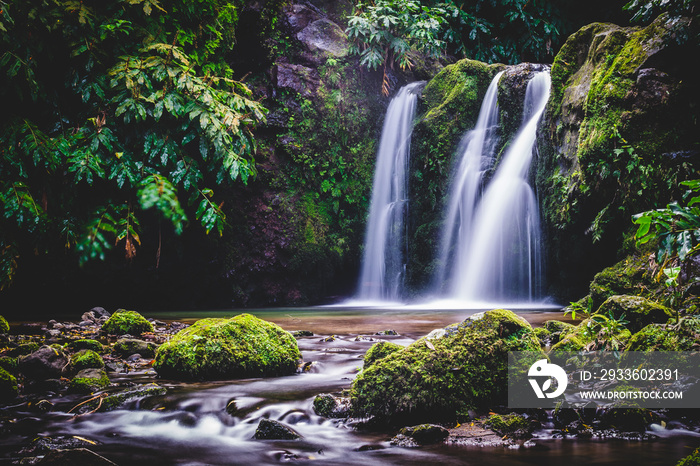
190,426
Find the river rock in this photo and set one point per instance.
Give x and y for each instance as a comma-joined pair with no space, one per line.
243,346
269,429
8,385
89,380
127,346
639,311
434,379
425,434
124,322
327,405
75,456
45,363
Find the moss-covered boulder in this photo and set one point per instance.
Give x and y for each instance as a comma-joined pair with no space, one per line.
4,326
124,322
572,342
462,367
85,359
89,380
243,346
379,351
639,311
543,335
85,344
125,347
327,405
8,386
425,434
627,277
558,330
655,337
512,425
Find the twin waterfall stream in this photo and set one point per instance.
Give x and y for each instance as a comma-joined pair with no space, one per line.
490,249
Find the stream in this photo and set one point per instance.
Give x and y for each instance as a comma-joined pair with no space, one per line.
190,425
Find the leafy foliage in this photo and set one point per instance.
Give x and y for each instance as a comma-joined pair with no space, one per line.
676,227
387,31
646,10
113,109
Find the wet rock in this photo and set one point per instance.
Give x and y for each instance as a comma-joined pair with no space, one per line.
475,435
121,398
557,330
431,379
327,405
328,339
232,407
299,78
8,385
301,15
425,434
89,380
628,419
326,38
387,332
302,333
53,333
513,425
42,406
86,344
242,346
84,359
46,386
124,322
127,346
637,310
269,429
76,456
564,415
100,312
45,363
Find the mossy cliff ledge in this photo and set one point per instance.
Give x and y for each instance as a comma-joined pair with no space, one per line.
619,134
243,346
445,373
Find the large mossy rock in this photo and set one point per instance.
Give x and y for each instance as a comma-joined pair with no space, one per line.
124,322
451,370
639,311
609,80
243,346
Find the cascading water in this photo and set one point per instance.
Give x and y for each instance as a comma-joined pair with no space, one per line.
501,260
383,261
477,156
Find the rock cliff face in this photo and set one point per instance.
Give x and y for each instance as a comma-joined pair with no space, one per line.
620,133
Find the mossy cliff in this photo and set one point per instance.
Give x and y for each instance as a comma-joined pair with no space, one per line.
447,109
243,346
620,132
443,374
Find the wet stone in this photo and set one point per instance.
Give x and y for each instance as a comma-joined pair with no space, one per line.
269,429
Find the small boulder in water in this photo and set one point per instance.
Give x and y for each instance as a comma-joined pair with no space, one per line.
424,434
124,322
327,405
269,429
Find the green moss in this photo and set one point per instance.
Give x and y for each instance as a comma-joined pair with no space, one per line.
86,359
629,276
89,380
86,344
558,330
639,311
543,335
8,385
658,338
9,364
691,460
379,351
242,346
436,378
128,346
119,399
25,348
124,322
573,342
4,326
508,424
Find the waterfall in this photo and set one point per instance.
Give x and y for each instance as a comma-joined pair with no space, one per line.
477,156
498,255
384,258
